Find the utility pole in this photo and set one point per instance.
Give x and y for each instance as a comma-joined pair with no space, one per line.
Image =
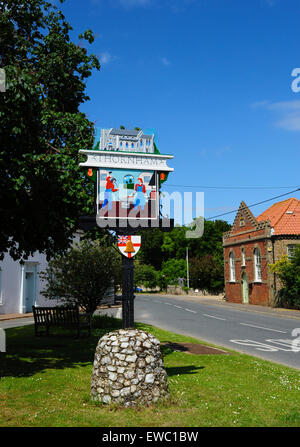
187,267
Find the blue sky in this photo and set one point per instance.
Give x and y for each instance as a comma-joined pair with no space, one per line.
213,78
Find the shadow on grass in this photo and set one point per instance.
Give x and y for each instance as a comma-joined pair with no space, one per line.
27,354
178,370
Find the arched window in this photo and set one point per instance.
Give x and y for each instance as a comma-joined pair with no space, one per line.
232,267
243,257
257,265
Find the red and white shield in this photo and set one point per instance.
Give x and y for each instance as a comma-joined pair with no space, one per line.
129,245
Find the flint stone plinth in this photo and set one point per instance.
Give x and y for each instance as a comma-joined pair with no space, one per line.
129,369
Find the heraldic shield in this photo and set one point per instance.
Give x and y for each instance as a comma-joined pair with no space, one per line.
129,245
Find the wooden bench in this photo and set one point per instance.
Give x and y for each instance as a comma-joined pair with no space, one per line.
61,317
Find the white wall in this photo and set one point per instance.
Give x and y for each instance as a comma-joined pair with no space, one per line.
13,274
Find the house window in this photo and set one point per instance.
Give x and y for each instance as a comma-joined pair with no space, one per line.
243,258
257,265
290,250
242,222
232,267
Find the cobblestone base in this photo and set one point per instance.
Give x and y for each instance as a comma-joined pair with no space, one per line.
128,369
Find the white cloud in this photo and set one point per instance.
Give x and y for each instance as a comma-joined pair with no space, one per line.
165,61
257,104
289,112
106,57
290,122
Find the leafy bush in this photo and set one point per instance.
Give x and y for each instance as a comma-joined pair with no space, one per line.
288,271
81,276
171,271
145,275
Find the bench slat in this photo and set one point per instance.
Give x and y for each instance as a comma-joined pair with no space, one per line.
60,316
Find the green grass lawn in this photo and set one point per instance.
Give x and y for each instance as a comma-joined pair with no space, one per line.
45,382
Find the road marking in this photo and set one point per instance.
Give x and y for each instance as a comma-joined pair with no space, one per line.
168,304
257,345
178,307
286,343
288,347
265,328
212,316
189,310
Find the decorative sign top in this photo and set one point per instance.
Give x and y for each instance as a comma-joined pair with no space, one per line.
125,140
125,149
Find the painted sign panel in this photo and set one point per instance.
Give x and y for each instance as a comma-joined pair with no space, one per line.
129,245
128,194
111,159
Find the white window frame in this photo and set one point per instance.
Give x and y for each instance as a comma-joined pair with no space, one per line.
257,265
232,267
243,257
290,250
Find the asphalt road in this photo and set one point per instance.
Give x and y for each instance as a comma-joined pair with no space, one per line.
266,334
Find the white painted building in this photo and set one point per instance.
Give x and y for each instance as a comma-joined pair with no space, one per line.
20,285
126,141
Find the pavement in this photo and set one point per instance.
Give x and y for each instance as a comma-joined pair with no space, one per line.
219,301
6,317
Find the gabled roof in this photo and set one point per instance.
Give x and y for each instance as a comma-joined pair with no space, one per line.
245,213
127,132
284,216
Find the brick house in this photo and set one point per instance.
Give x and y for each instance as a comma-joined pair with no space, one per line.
252,244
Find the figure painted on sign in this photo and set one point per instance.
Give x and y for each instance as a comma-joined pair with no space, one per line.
140,196
109,189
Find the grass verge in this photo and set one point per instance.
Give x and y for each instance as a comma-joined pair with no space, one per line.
45,382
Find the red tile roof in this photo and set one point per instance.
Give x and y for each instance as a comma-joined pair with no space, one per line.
284,216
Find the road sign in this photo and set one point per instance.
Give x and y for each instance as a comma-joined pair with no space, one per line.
128,170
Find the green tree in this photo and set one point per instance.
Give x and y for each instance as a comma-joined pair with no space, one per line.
212,240
207,273
172,270
288,271
145,275
151,251
82,275
42,189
